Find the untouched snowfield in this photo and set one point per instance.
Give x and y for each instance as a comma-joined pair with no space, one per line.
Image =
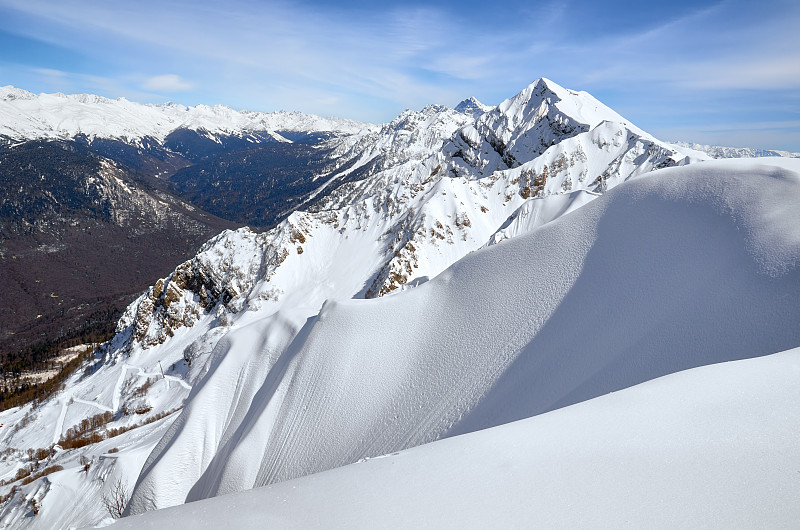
680,268
712,447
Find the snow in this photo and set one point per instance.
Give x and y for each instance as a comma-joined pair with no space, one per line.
404,228
710,447
71,497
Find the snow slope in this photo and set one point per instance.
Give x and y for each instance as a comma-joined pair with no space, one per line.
712,447
683,267
26,116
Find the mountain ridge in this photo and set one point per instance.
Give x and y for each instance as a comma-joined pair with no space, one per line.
24,115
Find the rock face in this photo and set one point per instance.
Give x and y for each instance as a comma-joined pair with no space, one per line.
214,279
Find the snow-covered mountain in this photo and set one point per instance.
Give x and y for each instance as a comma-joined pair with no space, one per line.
537,254
26,116
716,151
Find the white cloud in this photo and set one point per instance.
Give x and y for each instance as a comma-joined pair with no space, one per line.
167,83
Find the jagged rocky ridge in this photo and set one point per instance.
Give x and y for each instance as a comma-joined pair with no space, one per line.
429,183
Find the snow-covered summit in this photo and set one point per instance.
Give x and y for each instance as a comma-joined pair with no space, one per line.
523,127
472,107
9,92
24,116
543,97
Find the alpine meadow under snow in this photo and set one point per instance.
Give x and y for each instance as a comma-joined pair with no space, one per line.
478,321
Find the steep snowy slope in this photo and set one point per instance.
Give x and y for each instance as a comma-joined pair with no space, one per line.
26,116
712,447
681,268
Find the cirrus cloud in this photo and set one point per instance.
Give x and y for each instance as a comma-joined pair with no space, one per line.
167,83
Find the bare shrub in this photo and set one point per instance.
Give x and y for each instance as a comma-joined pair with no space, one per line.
115,500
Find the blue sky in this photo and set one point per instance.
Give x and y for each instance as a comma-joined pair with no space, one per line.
713,72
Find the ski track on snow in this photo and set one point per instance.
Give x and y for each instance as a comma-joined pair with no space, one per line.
168,378
60,422
118,387
93,404
59,428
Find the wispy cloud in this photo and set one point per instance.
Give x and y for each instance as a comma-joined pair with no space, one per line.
167,83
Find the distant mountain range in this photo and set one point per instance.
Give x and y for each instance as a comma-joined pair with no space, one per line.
716,151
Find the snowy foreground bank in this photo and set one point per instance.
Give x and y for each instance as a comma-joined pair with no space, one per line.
714,446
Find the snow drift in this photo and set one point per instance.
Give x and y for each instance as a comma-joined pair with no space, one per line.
676,269
712,447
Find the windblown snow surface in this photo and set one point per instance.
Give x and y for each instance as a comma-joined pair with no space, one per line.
676,269
712,447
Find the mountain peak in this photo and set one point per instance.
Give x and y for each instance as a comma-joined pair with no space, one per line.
472,107
10,93
544,97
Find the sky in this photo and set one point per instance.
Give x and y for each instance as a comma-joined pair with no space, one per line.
723,73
